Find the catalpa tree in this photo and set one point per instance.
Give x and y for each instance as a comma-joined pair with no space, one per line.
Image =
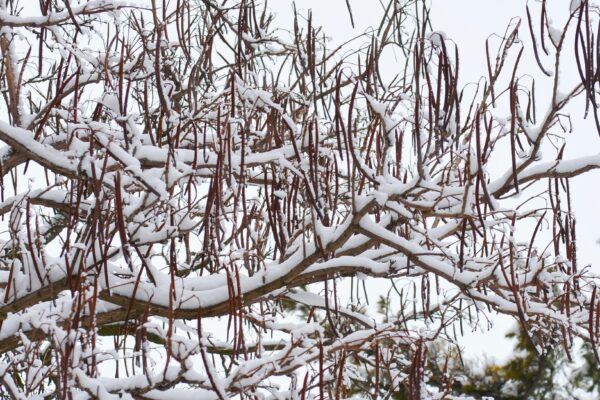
197,200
